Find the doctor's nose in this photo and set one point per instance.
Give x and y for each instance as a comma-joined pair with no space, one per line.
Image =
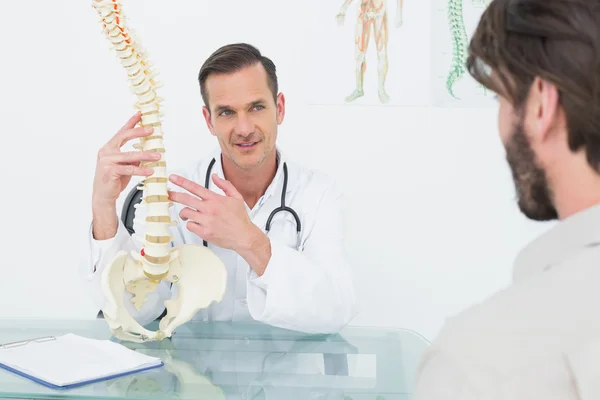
244,126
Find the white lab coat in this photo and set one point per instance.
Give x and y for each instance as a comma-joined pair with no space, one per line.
537,339
310,290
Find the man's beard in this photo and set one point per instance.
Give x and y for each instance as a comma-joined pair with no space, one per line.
533,192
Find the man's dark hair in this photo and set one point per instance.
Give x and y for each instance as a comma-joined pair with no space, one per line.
233,57
556,40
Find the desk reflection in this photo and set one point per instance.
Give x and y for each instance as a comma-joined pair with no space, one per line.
238,370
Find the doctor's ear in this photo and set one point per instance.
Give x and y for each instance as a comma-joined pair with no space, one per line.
280,108
207,115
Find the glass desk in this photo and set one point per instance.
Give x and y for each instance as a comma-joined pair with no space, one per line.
227,360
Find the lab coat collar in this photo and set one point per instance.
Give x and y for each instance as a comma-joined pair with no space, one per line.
274,187
563,240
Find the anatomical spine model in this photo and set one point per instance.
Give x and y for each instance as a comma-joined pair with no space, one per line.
197,272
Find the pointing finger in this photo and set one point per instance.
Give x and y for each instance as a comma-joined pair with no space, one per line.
187,200
130,134
192,187
136,132
227,187
131,122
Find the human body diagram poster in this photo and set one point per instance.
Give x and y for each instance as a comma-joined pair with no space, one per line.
368,52
392,52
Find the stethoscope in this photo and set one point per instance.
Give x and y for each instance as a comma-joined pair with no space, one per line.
283,207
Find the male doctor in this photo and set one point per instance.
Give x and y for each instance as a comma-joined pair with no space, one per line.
301,283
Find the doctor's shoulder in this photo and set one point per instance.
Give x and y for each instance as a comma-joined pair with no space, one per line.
312,182
316,191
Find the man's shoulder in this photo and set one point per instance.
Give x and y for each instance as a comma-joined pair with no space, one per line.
516,320
479,343
476,321
513,335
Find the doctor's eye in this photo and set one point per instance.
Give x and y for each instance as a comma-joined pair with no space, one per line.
226,113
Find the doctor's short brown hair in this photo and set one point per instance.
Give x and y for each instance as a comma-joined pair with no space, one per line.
233,57
556,40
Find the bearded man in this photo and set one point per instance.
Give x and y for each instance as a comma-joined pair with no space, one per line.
540,337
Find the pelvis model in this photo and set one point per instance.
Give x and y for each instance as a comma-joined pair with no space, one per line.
199,275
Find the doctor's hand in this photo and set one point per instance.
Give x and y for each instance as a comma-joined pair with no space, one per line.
220,220
114,168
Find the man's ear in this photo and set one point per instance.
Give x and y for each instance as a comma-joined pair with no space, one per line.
206,114
543,109
280,108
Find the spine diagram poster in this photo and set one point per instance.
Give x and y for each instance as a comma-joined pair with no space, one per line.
368,52
453,24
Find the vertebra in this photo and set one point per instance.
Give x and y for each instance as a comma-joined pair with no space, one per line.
199,274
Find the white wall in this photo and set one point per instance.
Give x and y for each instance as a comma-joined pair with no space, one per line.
432,225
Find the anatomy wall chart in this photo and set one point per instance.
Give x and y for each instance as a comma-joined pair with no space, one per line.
453,23
368,52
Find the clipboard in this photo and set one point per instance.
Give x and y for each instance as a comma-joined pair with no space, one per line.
19,368
27,341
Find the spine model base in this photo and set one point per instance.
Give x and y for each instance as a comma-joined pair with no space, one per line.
199,274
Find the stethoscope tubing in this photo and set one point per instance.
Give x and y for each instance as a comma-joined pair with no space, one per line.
282,208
